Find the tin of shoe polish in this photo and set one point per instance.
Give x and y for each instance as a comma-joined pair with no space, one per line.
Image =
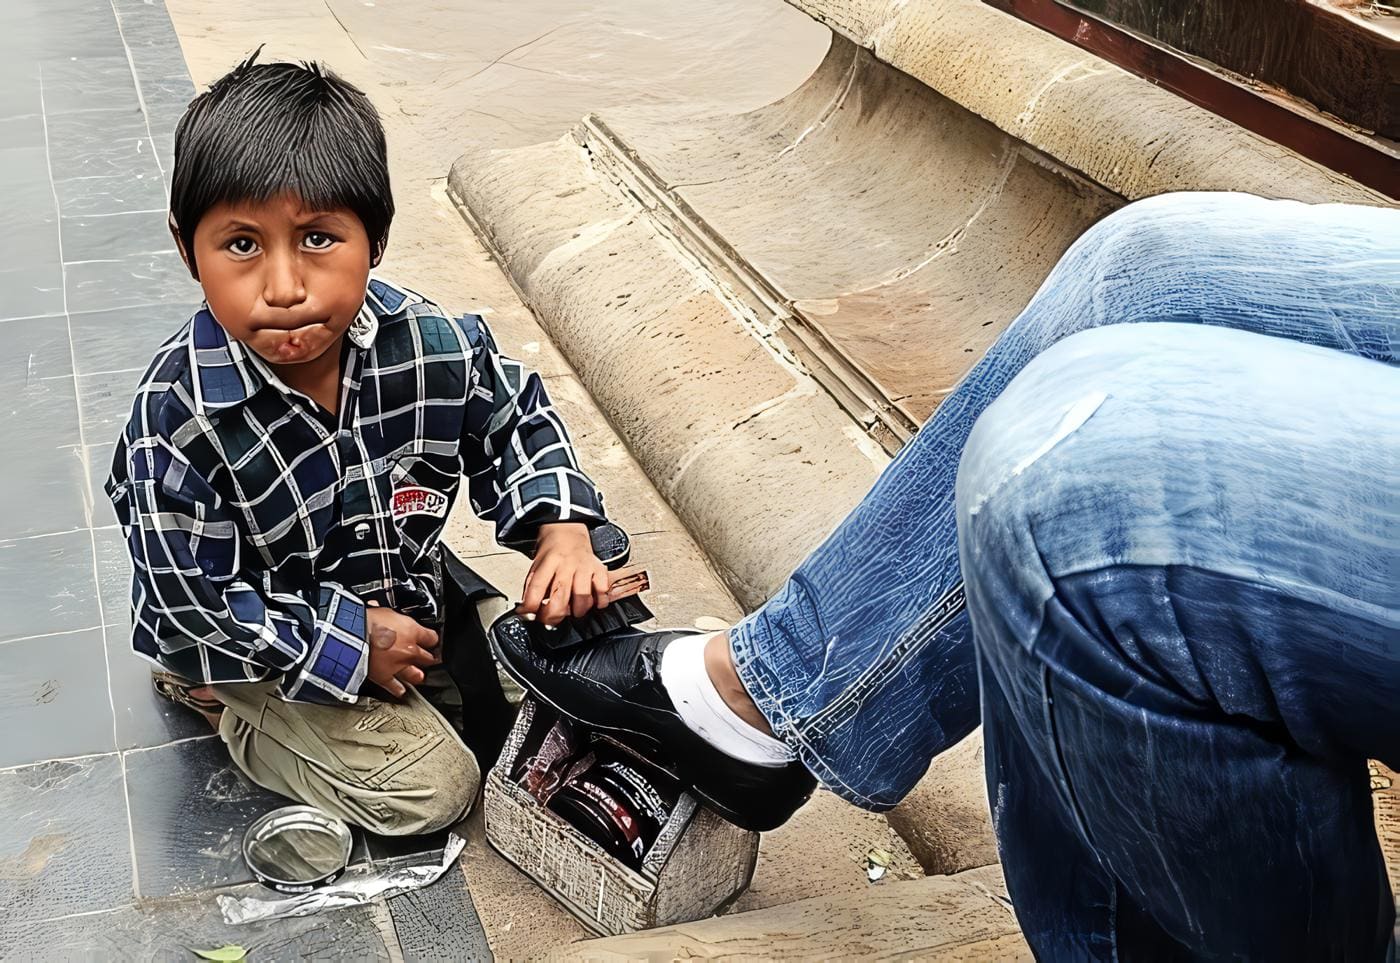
296,849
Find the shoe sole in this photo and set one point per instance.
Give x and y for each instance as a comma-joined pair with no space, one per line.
743,818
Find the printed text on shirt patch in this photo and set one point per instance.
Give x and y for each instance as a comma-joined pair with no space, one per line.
419,501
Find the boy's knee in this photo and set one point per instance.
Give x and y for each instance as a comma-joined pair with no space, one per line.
428,796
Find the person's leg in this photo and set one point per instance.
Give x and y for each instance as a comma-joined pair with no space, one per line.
863,660
1182,556
394,768
862,663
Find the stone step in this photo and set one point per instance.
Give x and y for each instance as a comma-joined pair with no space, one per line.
821,852
962,917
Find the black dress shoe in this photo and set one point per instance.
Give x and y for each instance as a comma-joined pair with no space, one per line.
614,683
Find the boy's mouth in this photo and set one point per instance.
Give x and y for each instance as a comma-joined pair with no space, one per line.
291,326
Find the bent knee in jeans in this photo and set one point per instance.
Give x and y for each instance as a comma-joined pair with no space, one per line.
1160,445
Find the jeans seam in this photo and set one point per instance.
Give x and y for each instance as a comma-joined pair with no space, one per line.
951,604
786,728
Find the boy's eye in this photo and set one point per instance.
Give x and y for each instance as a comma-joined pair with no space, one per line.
318,241
242,246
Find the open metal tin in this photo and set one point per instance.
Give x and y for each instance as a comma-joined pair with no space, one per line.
296,849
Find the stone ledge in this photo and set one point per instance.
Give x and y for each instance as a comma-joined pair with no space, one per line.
1117,129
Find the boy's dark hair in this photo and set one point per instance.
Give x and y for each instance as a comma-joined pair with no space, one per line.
266,129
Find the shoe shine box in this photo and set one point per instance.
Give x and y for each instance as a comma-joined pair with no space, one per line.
616,842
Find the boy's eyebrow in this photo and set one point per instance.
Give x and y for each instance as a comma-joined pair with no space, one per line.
310,219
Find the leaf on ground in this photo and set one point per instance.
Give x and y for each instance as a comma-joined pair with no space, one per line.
224,954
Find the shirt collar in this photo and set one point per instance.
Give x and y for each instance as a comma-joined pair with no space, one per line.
226,374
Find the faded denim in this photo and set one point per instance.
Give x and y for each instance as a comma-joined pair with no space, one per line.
1182,557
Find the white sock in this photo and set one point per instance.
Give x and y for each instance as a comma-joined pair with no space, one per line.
704,712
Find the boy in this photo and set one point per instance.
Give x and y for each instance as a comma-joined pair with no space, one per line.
294,449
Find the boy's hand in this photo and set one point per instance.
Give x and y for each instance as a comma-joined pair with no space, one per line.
567,578
398,649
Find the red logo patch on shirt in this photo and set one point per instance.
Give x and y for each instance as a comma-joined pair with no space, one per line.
419,501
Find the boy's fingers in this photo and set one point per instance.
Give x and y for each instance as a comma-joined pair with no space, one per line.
410,674
427,638
557,607
394,687
600,589
536,584
421,656
582,595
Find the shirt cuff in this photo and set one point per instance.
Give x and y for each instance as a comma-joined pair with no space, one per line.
561,495
337,661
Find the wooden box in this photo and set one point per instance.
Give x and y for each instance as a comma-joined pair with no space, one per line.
698,865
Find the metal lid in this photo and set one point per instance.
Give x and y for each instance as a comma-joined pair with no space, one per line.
297,848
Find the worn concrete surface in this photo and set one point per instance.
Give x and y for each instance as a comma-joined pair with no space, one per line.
943,225
734,436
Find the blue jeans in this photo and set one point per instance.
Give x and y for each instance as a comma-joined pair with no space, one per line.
1170,562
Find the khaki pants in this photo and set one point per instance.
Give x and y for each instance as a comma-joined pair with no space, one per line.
394,768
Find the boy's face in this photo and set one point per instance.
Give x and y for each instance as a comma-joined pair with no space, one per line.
283,280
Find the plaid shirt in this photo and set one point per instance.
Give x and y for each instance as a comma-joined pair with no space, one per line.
259,524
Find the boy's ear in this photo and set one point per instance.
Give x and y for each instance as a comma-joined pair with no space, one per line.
180,245
376,251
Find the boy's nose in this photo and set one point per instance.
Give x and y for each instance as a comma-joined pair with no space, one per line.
282,284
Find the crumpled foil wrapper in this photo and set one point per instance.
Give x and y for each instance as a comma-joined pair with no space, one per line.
353,889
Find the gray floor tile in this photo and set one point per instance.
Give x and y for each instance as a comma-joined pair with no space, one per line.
101,143
81,30
39,418
111,195
47,491
96,238
114,585
106,400
98,461
439,922
19,87
35,349
190,807
64,843
88,83
146,24
74,135
26,170
29,195
124,337
117,157
30,245
28,292
54,690
169,930
22,130
130,280
144,719
46,585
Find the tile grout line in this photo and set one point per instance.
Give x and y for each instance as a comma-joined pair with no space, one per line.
167,745
44,762
88,502
149,210
141,99
50,635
